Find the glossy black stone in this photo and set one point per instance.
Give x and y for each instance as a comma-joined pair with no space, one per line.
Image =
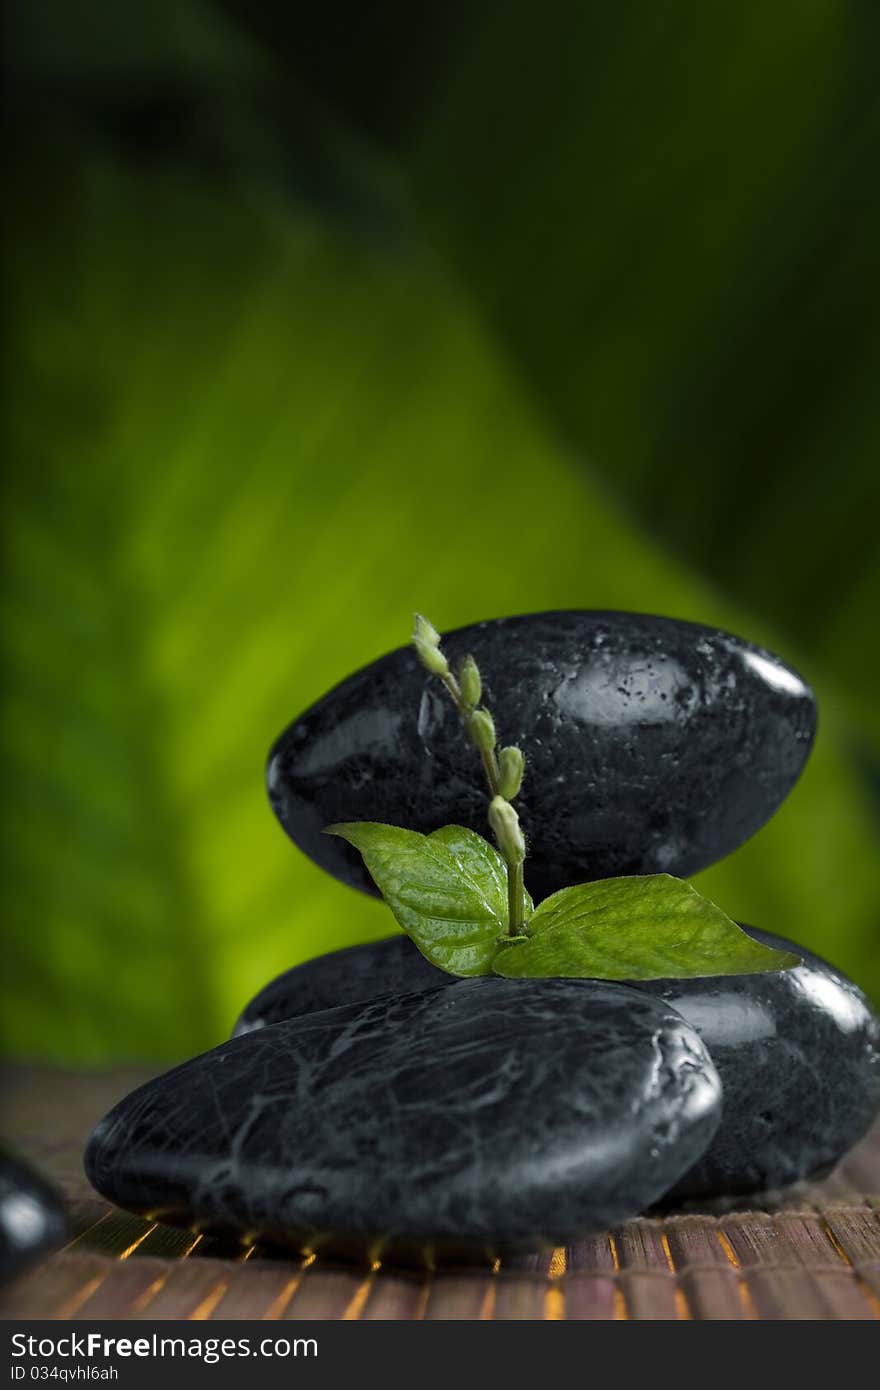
453,1123
798,1052
349,976
32,1220
652,745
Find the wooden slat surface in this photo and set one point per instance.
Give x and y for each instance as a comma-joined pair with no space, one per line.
812,1252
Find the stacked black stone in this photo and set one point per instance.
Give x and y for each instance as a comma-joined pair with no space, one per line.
369,1104
653,746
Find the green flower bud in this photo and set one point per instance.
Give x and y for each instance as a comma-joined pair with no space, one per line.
482,727
511,765
469,682
506,828
425,632
431,657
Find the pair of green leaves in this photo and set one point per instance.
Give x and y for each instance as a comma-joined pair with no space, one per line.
448,891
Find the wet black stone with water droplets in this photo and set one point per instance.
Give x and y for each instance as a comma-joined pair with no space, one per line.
798,1053
457,1123
653,745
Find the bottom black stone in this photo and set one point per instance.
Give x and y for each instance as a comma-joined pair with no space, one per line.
453,1124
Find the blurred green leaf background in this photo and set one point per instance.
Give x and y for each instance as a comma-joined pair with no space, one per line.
317,317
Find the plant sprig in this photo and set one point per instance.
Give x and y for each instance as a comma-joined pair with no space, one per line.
465,905
504,770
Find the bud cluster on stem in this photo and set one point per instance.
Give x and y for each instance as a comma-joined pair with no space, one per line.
504,768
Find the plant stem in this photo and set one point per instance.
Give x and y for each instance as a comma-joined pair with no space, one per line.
515,883
491,766
490,762
515,889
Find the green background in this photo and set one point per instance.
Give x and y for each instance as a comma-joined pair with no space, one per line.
318,318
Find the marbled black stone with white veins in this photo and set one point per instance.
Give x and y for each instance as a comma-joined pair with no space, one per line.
496,1115
32,1220
652,745
798,1052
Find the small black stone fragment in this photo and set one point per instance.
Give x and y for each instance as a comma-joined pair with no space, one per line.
32,1220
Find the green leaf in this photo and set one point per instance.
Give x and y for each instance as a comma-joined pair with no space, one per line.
448,890
644,928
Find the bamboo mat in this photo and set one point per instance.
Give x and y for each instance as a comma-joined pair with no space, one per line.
811,1253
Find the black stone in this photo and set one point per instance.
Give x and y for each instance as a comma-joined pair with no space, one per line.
653,745
32,1220
460,1122
349,976
798,1052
